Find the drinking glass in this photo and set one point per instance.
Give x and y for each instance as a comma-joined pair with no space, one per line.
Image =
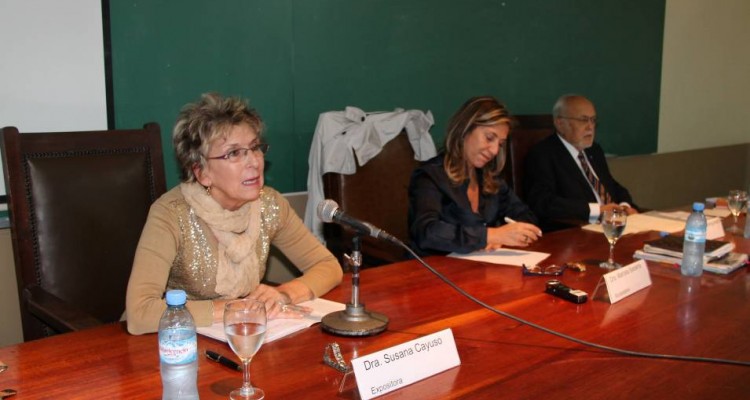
736,201
245,327
613,223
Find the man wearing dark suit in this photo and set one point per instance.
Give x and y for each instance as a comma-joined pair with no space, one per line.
566,177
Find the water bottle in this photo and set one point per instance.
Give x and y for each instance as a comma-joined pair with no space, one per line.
695,242
178,349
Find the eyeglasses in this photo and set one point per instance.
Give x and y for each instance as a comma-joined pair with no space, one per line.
240,154
583,120
553,269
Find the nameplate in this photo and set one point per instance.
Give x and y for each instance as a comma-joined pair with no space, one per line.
627,280
714,229
398,366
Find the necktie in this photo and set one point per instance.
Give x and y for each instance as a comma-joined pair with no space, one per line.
603,194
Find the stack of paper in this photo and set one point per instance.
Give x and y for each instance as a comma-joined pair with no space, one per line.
718,256
671,245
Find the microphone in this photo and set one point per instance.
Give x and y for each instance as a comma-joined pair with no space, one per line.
329,211
354,320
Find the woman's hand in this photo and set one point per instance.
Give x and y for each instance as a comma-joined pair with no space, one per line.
279,304
280,301
516,234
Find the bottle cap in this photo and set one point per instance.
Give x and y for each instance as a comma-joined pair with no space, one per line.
698,206
176,297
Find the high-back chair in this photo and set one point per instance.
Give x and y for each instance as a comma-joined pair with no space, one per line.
376,193
529,130
77,204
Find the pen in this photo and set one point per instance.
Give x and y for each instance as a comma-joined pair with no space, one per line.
214,356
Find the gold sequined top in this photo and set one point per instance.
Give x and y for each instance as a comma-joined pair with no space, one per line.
177,250
194,267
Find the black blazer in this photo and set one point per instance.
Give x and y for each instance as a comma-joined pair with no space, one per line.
555,188
440,216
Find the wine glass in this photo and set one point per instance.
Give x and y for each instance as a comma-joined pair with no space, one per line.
613,223
245,327
736,200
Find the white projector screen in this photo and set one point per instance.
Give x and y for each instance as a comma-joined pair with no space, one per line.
52,75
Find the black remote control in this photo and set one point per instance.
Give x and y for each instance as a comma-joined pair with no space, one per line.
556,288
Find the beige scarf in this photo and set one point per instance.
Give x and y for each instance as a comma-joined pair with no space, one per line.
238,271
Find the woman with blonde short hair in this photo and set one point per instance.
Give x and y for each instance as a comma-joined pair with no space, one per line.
211,234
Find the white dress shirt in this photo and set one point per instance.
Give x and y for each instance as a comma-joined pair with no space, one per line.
594,208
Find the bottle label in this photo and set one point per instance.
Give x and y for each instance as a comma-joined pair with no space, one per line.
695,235
178,346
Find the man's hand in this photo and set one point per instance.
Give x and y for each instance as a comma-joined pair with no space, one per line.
612,206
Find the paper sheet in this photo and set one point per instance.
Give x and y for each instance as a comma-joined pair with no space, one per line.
278,328
504,256
709,212
638,223
717,212
681,215
714,230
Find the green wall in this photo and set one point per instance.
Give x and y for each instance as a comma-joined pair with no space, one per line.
294,59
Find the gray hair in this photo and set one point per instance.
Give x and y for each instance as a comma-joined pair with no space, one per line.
562,103
202,122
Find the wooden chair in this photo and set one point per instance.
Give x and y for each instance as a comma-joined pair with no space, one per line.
529,130
77,204
376,193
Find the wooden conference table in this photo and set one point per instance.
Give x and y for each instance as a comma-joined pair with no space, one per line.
500,358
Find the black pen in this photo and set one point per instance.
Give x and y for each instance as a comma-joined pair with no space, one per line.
214,356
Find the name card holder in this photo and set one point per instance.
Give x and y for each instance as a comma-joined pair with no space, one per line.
401,365
623,282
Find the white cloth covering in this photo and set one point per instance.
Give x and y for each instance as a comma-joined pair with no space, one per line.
340,132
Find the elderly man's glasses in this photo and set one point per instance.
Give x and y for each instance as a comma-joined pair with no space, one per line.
583,120
240,153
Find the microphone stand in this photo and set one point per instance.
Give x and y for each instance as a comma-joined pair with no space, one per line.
355,320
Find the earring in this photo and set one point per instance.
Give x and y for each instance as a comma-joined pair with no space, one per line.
208,190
